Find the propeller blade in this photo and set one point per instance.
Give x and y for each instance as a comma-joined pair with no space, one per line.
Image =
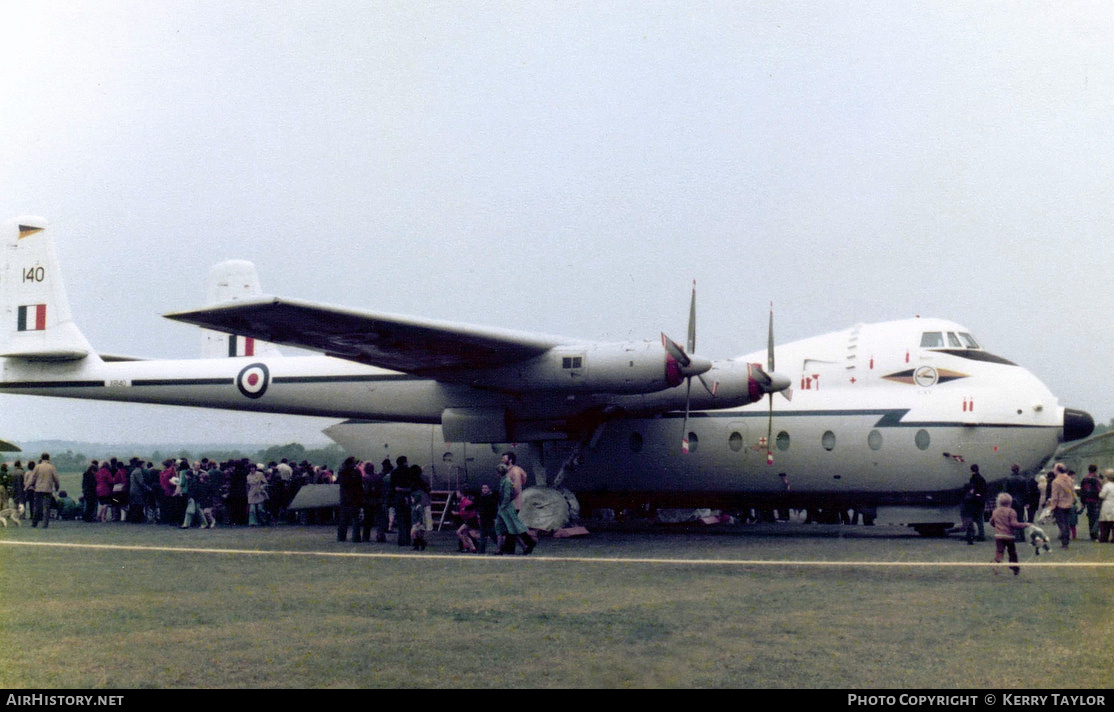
770,342
774,382
674,349
712,388
770,433
692,321
687,365
685,422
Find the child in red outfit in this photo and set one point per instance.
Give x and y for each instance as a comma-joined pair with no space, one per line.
1005,524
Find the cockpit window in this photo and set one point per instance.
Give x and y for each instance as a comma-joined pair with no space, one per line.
955,340
932,340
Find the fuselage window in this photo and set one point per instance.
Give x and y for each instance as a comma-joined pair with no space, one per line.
735,442
922,439
636,442
953,341
969,340
572,361
874,440
828,440
783,441
693,442
932,340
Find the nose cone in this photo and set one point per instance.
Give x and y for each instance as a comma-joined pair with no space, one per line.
1078,424
778,382
697,365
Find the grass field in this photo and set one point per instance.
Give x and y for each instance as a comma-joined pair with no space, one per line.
289,607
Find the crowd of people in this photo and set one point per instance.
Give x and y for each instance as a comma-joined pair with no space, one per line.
393,497
397,497
180,492
1025,502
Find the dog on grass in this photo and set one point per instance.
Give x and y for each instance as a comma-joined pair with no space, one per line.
1037,538
11,514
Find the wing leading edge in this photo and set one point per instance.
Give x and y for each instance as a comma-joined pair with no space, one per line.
398,343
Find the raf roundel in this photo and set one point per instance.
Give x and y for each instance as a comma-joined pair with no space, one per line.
253,380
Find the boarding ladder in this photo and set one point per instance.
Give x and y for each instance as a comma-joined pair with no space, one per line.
441,499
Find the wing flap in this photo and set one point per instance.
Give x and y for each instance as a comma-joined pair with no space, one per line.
399,343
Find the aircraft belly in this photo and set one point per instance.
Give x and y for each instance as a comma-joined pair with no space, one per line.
636,455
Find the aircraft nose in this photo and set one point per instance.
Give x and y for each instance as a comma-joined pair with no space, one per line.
1078,424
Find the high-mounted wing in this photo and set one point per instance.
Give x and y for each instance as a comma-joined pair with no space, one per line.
399,343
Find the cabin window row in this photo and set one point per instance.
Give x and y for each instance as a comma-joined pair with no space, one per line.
736,443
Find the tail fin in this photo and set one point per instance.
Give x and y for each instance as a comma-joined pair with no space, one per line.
229,282
37,323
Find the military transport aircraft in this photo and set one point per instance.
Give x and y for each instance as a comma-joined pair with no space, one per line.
882,415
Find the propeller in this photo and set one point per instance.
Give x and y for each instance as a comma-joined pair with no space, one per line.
681,364
770,382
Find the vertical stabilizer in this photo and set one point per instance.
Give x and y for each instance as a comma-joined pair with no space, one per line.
37,322
232,281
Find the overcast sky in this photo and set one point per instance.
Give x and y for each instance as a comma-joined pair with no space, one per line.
568,168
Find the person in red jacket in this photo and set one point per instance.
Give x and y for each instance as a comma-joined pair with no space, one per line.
104,492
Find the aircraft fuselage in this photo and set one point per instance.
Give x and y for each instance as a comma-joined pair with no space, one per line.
304,385
875,420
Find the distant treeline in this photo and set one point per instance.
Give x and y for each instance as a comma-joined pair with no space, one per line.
70,461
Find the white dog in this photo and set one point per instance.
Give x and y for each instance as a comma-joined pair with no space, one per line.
1037,538
11,514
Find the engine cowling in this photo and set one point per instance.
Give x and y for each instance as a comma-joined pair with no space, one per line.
621,368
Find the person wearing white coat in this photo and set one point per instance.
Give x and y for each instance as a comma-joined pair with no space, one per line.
1106,512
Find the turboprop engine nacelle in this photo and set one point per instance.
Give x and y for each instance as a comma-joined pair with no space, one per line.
734,382
622,368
